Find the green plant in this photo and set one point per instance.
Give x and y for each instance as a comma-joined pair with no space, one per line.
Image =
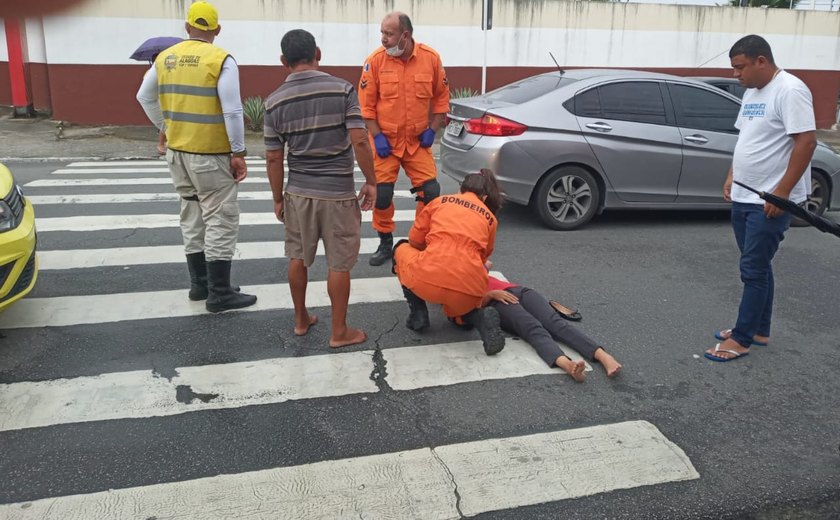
254,109
463,92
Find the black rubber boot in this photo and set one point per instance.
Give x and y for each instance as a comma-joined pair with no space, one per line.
488,323
221,295
197,264
198,276
385,250
418,316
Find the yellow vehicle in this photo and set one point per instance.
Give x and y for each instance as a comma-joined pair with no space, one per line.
18,262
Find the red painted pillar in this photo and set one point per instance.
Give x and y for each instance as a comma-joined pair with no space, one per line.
21,99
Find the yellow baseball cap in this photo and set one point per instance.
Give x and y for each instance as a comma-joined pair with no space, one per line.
203,16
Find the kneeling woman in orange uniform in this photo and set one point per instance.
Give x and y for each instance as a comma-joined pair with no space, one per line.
443,260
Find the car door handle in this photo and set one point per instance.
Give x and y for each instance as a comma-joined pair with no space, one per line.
601,127
696,139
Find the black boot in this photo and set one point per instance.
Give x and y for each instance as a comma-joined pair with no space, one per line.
221,295
197,264
418,316
488,323
198,276
384,251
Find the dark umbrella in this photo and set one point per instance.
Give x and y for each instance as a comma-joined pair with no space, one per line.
823,224
154,46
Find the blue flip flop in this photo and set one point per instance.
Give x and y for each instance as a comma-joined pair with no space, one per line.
720,335
734,353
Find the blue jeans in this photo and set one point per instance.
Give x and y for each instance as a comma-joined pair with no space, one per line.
758,238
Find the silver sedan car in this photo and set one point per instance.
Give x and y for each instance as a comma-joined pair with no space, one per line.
573,143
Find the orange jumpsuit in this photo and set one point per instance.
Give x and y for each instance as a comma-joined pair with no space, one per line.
459,233
400,96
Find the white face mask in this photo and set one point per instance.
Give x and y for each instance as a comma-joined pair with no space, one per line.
395,51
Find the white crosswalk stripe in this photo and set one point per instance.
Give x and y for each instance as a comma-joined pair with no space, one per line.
138,164
123,198
127,181
106,308
230,385
105,222
163,169
450,480
150,255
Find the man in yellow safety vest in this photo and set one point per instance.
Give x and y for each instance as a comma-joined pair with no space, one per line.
192,93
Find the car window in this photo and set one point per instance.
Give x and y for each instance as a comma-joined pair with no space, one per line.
733,88
587,104
703,109
636,101
528,88
737,90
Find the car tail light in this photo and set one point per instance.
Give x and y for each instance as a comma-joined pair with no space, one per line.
494,125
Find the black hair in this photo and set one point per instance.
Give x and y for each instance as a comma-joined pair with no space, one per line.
298,46
405,23
485,183
752,46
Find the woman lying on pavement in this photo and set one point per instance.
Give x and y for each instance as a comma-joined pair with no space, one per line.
443,259
526,313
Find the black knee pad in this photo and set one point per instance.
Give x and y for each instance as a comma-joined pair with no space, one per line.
430,189
384,195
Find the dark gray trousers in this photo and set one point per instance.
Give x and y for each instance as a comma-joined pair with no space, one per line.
536,322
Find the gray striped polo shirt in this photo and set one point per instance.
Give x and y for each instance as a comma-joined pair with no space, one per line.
311,113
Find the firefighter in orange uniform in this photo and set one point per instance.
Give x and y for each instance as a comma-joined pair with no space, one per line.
444,257
404,95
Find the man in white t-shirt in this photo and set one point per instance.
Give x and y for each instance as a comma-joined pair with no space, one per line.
776,141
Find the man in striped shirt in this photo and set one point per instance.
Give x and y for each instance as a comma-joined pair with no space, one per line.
317,117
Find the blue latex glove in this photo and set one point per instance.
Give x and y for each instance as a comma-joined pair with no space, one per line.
427,138
383,147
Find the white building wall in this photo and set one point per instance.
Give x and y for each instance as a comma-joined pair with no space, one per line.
578,33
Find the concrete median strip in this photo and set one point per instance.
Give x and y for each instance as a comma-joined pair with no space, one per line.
450,481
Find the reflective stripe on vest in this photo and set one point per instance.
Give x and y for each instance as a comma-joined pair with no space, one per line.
187,77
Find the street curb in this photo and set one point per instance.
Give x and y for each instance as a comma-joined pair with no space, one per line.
65,159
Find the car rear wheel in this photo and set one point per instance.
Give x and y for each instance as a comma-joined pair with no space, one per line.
818,201
567,198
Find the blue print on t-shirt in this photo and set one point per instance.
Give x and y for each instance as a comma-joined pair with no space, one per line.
753,110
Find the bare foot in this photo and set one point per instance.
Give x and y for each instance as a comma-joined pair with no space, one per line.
576,369
350,337
611,366
729,344
311,320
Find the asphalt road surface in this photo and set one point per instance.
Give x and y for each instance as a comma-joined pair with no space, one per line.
119,399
